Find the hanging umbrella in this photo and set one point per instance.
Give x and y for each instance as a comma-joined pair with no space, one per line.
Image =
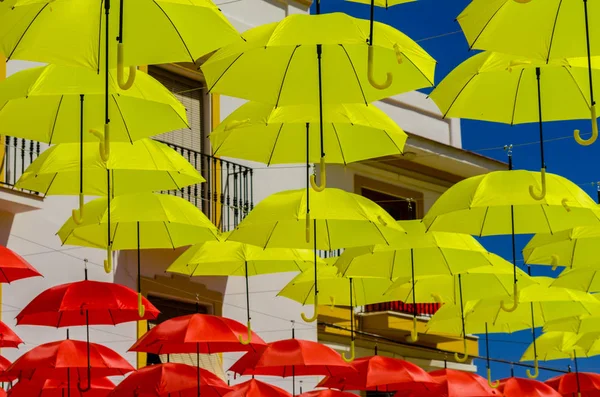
497,203
196,333
462,384
318,60
418,254
554,346
170,379
68,359
13,267
581,279
272,135
337,219
100,387
144,166
8,338
229,258
256,388
548,30
383,374
292,357
576,384
4,376
579,324
518,387
143,221
326,393
382,3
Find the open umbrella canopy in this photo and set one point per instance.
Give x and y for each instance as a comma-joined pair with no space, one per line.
73,32
13,267
342,220
61,359
384,374
582,279
165,221
326,393
554,346
586,383
285,53
68,101
518,387
462,384
144,166
100,387
579,324
4,376
382,3
196,333
292,357
170,379
262,133
85,303
430,253
256,388
8,338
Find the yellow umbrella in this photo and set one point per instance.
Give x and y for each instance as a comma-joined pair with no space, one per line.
382,3
579,324
318,60
554,346
544,30
514,89
337,219
582,279
229,258
343,291
138,221
262,133
147,165
417,254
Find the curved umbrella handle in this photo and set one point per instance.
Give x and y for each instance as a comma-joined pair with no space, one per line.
465,357
389,77
141,307
86,389
493,385
414,334
515,301
315,314
241,338
322,174
332,299
352,353
532,189
77,215
124,85
554,261
565,203
108,260
592,139
308,227
536,371
437,298
104,141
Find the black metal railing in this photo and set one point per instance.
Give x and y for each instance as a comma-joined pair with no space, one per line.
16,155
226,196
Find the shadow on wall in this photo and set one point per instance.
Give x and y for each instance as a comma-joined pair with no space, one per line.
6,222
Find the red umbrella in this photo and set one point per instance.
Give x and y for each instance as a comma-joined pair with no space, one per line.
256,388
519,387
573,383
3,393
67,359
326,393
5,377
383,374
13,267
462,384
164,380
197,333
8,338
101,387
292,357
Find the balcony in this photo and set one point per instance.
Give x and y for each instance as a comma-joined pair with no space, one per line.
422,309
225,197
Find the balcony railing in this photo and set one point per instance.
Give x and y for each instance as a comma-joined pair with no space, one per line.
225,197
422,309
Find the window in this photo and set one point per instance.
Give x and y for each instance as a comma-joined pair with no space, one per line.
397,207
396,200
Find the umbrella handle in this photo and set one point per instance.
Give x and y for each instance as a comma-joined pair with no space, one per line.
532,189
86,389
389,77
565,204
241,338
124,85
323,176
536,371
515,302
141,307
77,215
554,261
315,314
332,299
414,334
352,353
437,298
308,227
104,141
465,357
108,260
592,139
493,385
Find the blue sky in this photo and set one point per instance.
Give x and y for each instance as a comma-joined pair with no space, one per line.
426,19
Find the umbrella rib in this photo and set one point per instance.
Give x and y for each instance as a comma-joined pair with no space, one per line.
176,31
328,234
271,234
169,234
483,221
123,118
285,75
25,31
471,46
547,220
100,24
274,145
460,92
174,182
512,120
553,30
355,75
577,85
51,183
339,143
55,119
419,69
393,265
573,253
223,74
